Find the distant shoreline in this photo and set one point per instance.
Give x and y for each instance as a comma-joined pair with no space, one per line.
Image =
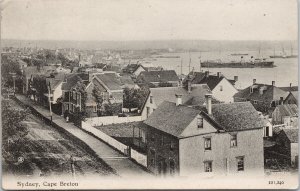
193,45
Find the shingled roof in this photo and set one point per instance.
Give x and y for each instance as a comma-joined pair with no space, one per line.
70,81
288,109
201,78
292,134
270,93
237,116
171,119
158,76
174,119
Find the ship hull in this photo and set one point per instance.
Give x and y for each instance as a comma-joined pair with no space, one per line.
261,64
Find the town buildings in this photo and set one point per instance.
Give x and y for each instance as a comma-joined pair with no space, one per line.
263,97
163,78
221,139
286,114
222,88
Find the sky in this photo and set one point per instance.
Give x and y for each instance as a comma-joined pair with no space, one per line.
122,20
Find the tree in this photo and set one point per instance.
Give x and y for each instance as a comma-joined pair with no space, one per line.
112,109
80,115
40,85
134,98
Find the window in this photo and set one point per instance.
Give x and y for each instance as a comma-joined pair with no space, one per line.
240,163
221,88
151,99
200,122
208,166
251,90
254,102
233,140
95,108
207,143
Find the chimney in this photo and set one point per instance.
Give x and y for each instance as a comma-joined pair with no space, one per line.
254,81
206,73
236,78
178,99
273,83
219,74
208,103
281,101
290,87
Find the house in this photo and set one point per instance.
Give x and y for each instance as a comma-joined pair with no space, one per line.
164,78
219,139
287,140
286,114
291,98
107,83
263,97
192,95
31,71
134,69
222,88
55,86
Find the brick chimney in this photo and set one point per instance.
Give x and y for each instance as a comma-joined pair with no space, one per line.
236,78
219,74
290,87
178,99
254,81
273,83
208,103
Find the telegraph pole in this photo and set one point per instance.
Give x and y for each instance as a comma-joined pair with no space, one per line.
49,98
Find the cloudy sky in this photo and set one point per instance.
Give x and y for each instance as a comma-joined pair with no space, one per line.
150,19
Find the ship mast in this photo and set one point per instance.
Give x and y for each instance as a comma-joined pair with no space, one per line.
190,62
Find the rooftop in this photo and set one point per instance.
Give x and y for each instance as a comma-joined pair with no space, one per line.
158,76
269,94
288,109
292,134
174,119
110,80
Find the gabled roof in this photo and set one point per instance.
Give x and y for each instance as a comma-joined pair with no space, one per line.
195,97
131,68
174,119
53,82
288,109
70,81
201,78
158,76
270,93
292,134
171,119
237,116
110,80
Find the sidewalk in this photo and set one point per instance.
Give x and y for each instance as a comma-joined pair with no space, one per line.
123,165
